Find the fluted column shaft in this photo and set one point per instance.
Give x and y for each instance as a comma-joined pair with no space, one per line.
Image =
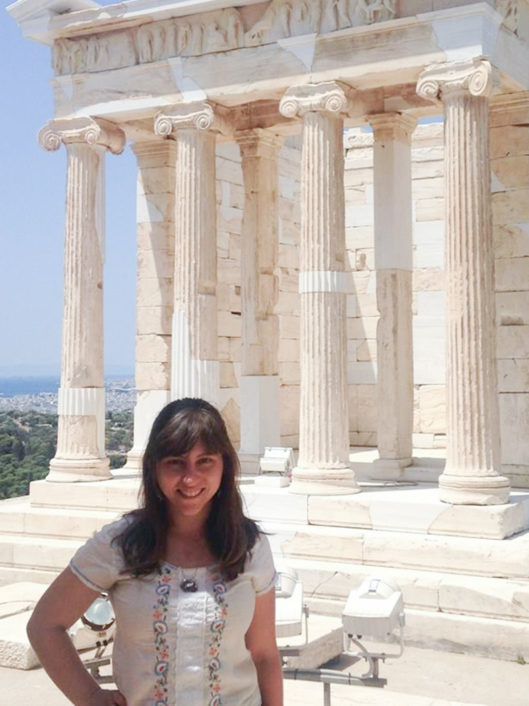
259,385
393,263
80,451
473,441
323,465
156,160
195,371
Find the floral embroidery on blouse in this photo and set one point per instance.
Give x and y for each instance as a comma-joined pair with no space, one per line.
159,624
217,628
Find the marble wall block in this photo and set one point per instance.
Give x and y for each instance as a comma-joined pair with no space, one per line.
514,416
510,207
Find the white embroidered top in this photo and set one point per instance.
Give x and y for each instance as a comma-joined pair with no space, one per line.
174,647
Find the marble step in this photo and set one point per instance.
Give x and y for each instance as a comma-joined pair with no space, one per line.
326,578
34,558
399,507
414,508
485,616
403,550
438,592
488,617
117,494
21,518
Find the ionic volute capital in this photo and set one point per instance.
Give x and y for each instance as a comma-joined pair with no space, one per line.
197,116
330,96
92,131
474,76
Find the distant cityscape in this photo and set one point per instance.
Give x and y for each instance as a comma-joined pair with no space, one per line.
40,394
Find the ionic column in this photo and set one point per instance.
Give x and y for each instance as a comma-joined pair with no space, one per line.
80,451
155,210
393,264
471,475
259,386
323,465
195,368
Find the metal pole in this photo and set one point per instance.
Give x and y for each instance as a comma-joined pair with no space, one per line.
326,694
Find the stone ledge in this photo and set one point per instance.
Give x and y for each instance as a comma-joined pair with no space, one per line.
24,519
435,591
391,506
419,509
403,550
114,494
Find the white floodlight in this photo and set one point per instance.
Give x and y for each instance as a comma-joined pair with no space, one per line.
374,609
96,627
277,459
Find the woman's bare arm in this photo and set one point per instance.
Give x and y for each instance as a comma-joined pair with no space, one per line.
61,605
261,641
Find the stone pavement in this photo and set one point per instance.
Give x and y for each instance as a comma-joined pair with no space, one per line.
419,678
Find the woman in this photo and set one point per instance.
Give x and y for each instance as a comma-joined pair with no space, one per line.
191,581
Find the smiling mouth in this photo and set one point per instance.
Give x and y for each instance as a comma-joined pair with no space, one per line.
190,494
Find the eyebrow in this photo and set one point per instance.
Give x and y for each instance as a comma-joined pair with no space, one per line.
206,453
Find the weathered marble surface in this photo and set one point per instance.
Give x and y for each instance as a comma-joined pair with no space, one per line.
211,32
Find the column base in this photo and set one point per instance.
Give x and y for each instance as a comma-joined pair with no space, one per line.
133,464
323,481
390,468
132,467
473,490
66,470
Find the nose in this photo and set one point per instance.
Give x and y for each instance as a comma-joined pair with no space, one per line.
189,474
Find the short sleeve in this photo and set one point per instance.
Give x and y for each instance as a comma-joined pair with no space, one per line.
260,565
99,563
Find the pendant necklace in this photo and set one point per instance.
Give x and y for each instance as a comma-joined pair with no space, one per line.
188,584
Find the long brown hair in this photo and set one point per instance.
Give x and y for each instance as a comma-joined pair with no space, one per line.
230,534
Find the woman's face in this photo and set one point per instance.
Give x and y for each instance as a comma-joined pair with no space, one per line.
189,482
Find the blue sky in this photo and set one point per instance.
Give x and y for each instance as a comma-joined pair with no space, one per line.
32,195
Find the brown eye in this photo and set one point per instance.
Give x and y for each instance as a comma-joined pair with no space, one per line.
173,463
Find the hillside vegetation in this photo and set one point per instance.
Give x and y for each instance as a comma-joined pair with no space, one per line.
28,441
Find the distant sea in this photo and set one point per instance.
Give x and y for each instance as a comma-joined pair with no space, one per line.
13,386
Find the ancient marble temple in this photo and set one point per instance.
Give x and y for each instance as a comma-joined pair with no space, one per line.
180,81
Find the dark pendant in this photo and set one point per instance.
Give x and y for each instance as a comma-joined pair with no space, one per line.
188,585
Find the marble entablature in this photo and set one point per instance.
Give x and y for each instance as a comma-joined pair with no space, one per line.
211,32
225,30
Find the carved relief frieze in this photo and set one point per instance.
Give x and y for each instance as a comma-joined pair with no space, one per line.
193,35
211,32
99,52
287,18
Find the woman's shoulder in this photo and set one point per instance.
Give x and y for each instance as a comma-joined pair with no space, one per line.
261,549
114,529
99,562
